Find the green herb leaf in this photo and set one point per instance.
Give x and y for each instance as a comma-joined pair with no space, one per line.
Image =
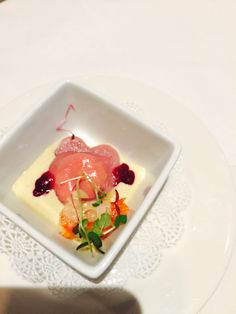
121,219
82,234
101,251
97,203
117,221
95,239
82,245
85,223
105,220
82,229
97,228
102,195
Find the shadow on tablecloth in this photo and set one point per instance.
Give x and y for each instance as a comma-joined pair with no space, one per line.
89,301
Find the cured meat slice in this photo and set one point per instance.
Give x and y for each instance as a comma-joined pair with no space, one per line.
107,151
74,158
70,144
77,145
71,165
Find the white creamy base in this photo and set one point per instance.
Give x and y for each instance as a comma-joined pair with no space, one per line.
48,205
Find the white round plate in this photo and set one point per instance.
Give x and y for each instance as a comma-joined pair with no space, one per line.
190,271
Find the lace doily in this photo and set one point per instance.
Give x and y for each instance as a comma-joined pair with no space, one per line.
164,224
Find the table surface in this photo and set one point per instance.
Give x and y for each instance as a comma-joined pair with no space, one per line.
186,48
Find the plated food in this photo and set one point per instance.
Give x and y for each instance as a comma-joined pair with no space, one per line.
36,148
82,189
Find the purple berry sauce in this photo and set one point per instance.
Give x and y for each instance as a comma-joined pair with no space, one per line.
122,173
44,184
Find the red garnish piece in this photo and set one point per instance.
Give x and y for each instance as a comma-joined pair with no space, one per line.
90,225
118,207
117,196
44,184
116,203
122,173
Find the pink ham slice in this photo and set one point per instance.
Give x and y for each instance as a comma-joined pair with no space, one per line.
110,154
77,145
74,158
71,145
75,164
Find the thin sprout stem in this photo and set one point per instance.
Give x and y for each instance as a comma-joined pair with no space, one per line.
86,176
79,199
72,179
72,200
81,215
93,184
109,230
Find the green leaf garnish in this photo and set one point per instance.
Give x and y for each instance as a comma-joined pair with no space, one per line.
82,233
103,222
85,223
95,239
102,195
97,230
121,219
97,203
82,229
117,221
101,251
99,195
84,244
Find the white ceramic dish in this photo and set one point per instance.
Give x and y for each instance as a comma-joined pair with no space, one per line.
98,120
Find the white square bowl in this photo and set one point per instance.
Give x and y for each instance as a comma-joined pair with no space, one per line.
97,120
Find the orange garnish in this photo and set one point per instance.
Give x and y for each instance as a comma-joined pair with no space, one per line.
113,211
90,224
68,234
123,207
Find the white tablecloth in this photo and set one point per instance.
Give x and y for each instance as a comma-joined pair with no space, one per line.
186,48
